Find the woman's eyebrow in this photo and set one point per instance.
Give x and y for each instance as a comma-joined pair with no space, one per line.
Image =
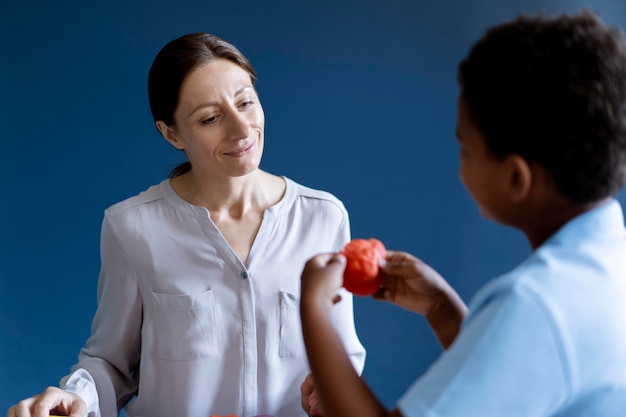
215,103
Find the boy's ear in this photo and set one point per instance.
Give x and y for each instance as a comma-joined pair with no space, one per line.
169,134
520,177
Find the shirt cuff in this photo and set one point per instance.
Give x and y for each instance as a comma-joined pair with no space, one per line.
82,384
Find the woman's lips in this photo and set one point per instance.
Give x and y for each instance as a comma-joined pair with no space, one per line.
241,151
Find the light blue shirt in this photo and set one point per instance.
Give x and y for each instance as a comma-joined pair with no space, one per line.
547,339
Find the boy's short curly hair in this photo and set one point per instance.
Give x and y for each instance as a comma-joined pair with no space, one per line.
553,90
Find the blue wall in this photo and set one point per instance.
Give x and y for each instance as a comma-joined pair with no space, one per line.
359,99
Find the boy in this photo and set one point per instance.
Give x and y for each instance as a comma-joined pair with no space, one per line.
542,133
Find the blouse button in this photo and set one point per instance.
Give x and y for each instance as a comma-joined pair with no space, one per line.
244,275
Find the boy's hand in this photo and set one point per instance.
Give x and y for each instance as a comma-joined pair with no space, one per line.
410,283
415,286
322,278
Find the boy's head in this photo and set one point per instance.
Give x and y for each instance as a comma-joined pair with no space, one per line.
553,91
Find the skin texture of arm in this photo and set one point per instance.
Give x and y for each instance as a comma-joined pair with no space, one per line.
409,283
341,390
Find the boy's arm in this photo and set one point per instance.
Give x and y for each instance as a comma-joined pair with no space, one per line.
342,392
446,318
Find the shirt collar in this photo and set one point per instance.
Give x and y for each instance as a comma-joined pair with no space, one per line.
602,222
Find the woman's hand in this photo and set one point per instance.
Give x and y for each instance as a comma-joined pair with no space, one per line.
310,400
51,401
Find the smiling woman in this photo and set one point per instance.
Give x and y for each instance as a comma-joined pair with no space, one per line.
199,288
219,125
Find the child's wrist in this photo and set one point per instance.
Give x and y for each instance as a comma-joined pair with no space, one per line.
446,315
315,303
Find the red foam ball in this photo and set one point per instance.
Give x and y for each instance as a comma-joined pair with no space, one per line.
361,274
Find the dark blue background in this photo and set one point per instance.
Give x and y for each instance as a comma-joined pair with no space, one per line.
359,99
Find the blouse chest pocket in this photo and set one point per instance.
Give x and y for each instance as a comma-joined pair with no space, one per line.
185,325
291,342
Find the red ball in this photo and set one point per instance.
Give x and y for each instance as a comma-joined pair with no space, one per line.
361,274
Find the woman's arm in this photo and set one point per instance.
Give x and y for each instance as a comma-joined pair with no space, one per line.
111,354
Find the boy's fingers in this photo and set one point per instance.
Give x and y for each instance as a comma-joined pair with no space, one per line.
337,258
326,259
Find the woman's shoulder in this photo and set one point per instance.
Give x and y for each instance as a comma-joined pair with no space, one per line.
312,197
313,193
150,195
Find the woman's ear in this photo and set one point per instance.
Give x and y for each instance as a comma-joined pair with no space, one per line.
520,178
169,134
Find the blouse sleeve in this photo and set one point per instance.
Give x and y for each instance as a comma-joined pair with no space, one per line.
111,355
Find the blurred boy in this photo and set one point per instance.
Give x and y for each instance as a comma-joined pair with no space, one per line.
542,134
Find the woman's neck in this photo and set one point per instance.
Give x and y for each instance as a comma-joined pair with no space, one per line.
235,195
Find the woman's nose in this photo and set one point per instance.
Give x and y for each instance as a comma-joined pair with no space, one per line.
238,126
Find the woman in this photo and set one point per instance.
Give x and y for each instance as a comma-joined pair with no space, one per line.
199,288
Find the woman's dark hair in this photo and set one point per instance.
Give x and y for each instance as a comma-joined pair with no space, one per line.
553,90
172,65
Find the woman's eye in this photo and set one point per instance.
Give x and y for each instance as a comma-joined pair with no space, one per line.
246,104
209,120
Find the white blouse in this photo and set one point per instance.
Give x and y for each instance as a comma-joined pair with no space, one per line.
183,328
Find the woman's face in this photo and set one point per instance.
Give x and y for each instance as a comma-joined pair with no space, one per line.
219,120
